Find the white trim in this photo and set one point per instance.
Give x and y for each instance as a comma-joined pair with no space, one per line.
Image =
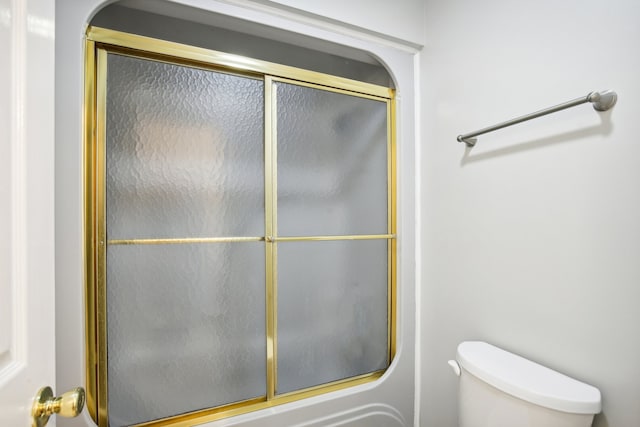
418,246
327,24
287,15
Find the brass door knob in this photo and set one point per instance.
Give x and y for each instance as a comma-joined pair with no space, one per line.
68,405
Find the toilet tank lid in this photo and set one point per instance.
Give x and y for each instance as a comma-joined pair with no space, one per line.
528,380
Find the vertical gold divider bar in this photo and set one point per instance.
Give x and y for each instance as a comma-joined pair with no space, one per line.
100,215
270,232
89,227
392,218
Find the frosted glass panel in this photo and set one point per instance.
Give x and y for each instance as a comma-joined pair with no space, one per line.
186,328
184,151
332,311
332,163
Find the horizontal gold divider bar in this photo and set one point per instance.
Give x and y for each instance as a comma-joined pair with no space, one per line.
184,240
326,238
177,241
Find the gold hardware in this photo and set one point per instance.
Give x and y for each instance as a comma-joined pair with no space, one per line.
189,240
68,405
116,40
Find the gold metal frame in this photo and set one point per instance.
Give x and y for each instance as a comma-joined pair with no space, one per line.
271,230
185,54
99,43
90,227
99,179
184,241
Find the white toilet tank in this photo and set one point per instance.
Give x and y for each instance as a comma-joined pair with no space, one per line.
501,389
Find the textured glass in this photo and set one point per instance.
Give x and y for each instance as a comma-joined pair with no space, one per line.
332,163
332,311
185,151
186,328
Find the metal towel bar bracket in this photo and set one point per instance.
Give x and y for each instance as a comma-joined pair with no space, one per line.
602,101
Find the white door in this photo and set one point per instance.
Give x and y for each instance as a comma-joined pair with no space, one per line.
27,299
37,245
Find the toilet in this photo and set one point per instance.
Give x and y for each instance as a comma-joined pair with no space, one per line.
501,389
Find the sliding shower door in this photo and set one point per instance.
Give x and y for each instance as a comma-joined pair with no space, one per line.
240,233
185,272
332,235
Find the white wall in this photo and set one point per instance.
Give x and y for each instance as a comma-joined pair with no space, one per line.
531,240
